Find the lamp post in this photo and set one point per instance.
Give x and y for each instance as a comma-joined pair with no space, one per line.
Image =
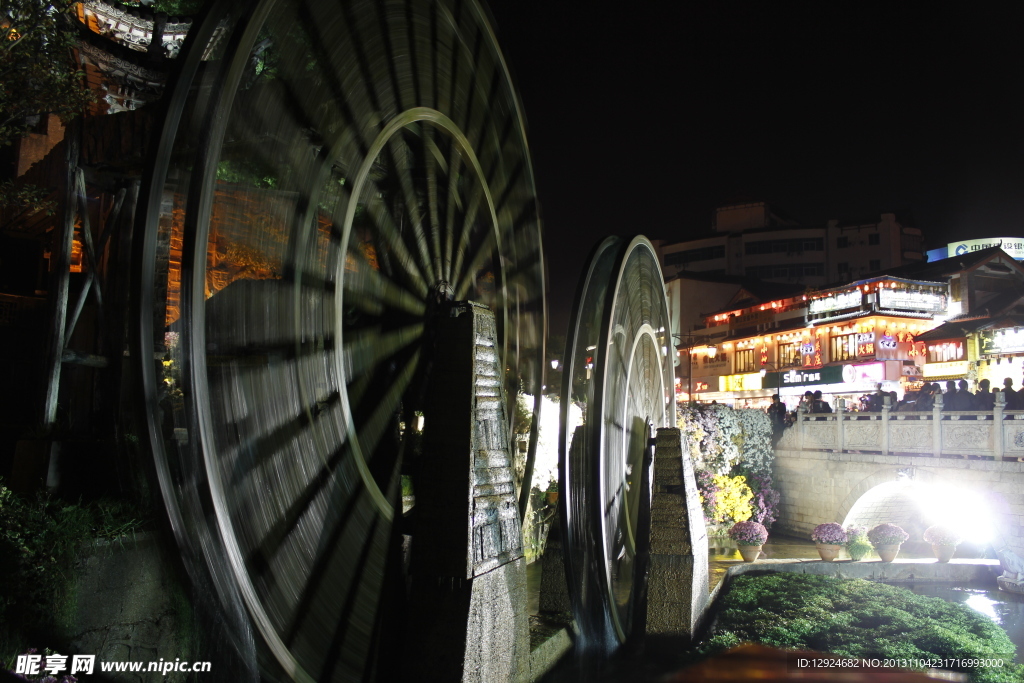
688,342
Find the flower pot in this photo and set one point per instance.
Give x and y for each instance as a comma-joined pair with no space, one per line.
828,551
888,553
943,553
552,497
750,553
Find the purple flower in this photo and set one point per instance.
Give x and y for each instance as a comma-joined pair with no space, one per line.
942,535
887,534
748,533
829,533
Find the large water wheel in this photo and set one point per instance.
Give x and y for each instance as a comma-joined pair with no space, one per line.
330,176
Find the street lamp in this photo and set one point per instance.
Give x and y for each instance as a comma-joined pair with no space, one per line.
689,343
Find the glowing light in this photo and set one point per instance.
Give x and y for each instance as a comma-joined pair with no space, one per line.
980,603
965,511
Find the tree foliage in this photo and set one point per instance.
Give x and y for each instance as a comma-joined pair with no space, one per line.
38,74
37,68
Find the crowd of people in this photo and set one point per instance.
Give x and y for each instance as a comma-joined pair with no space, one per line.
956,397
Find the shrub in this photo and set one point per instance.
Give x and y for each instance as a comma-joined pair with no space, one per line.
713,433
755,446
829,533
724,498
887,534
765,502
748,533
942,535
858,618
39,540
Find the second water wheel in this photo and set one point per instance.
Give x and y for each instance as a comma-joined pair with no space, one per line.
618,367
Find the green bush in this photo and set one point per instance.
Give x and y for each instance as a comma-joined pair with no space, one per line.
858,618
39,541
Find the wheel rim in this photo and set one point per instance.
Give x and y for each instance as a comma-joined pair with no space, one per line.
338,171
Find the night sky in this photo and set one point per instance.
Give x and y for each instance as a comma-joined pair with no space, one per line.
643,117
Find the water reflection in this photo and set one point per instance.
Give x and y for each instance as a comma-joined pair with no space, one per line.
1005,609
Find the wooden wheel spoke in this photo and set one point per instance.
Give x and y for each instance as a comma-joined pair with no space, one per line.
401,156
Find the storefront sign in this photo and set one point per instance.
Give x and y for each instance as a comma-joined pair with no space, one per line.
836,302
868,373
865,344
831,374
890,348
956,367
944,352
811,354
746,382
1002,341
1014,246
907,300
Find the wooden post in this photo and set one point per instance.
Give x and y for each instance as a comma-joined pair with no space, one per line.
60,266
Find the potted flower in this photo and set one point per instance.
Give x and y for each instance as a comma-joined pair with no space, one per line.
552,493
887,539
944,541
857,544
829,539
749,536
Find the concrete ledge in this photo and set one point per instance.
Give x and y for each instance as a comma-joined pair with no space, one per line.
548,644
917,571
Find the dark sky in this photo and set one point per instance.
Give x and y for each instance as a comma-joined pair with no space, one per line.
643,117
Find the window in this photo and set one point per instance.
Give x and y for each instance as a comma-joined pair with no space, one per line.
793,271
944,352
690,255
874,264
789,355
745,361
843,347
789,246
874,238
842,242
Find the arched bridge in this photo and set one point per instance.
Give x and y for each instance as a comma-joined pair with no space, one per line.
829,465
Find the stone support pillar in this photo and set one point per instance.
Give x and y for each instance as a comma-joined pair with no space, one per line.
678,578
469,618
997,426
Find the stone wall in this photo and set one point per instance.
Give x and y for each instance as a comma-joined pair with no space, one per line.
130,608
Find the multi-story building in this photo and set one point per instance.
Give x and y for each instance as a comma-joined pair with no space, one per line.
853,338
750,240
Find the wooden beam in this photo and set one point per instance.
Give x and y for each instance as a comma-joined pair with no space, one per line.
60,266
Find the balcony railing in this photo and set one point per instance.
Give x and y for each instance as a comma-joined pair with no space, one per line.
997,434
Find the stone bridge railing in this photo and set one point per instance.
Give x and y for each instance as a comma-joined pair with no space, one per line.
996,434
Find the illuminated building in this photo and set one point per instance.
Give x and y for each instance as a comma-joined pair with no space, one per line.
750,240
883,332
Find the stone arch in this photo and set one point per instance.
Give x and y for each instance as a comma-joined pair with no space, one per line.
998,506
